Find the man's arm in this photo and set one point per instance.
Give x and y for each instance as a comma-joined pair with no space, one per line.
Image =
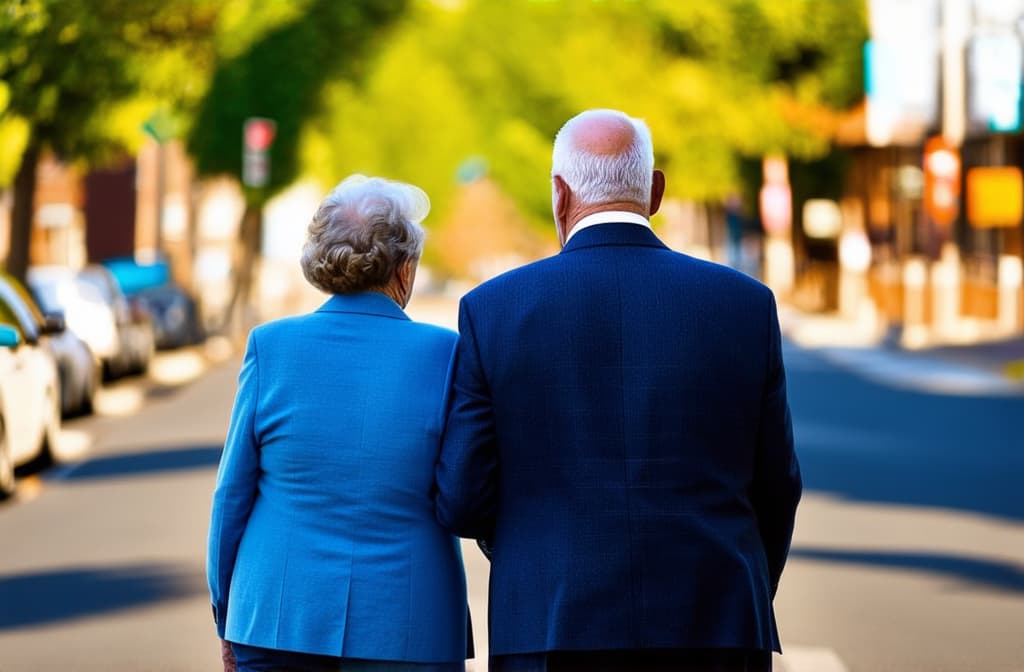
777,485
466,499
235,491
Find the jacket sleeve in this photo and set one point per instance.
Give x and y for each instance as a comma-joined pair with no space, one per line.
237,479
777,484
466,497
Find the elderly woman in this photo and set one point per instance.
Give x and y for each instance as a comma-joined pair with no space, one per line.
324,553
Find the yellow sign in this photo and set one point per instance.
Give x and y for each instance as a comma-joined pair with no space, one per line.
995,196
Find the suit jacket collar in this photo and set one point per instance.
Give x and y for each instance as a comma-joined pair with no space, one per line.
364,303
613,235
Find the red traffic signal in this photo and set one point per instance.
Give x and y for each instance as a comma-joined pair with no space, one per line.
259,134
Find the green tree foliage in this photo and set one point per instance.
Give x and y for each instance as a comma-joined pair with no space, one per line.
281,75
69,67
720,83
454,90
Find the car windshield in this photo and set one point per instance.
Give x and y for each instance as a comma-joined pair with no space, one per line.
99,283
48,295
21,304
8,318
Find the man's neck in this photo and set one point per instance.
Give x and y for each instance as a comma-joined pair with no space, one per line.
619,206
578,212
607,217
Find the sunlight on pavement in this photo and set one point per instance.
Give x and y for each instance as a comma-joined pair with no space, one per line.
815,331
435,309
921,373
177,368
73,444
218,349
832,522
29,488
808,659
119,401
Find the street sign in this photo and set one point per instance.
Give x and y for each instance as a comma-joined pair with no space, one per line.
995,81
995,196
257,137
161,126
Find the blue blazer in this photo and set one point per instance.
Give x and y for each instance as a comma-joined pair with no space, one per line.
619,429
323,537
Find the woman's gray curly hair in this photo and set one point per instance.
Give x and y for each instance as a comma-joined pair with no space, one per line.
363,231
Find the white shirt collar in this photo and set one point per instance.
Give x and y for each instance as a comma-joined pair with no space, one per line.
608,217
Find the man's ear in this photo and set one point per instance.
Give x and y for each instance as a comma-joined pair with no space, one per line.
657,190
562,193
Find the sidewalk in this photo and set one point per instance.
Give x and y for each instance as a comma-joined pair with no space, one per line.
988,367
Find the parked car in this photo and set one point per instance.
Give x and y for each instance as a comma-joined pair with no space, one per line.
80,373
87,314
29,385
119,331
134,324
79,366
176,320
9,338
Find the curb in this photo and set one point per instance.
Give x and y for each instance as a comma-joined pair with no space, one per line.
868,350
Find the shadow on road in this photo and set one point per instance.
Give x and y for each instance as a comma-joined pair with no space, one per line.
868,442
135,464
1000,576
65,594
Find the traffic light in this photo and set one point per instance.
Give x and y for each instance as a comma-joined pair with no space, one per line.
257,137
941,181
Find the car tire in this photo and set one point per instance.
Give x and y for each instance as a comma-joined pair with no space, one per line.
51,434
6,465
68,402
49,447
86,405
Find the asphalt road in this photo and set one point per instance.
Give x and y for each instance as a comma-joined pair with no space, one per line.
909,552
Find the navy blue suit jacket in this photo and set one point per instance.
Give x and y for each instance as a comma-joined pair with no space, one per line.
619,430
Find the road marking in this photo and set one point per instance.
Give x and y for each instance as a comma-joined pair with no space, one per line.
808,659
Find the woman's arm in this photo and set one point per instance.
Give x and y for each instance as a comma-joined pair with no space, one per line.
466,473
235,492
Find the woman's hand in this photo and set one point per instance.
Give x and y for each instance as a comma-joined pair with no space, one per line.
228,657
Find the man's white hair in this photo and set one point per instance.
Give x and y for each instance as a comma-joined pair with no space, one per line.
603,178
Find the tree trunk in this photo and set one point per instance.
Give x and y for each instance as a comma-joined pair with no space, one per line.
21,213
250,234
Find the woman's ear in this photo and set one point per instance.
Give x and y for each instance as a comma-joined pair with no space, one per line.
405,278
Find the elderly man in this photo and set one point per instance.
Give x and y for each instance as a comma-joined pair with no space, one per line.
619,434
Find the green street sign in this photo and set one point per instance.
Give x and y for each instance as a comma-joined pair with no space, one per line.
161,126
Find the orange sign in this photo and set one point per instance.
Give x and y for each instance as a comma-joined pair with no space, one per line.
995,196
941,181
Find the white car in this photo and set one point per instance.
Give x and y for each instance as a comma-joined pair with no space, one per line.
29,398
86,312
